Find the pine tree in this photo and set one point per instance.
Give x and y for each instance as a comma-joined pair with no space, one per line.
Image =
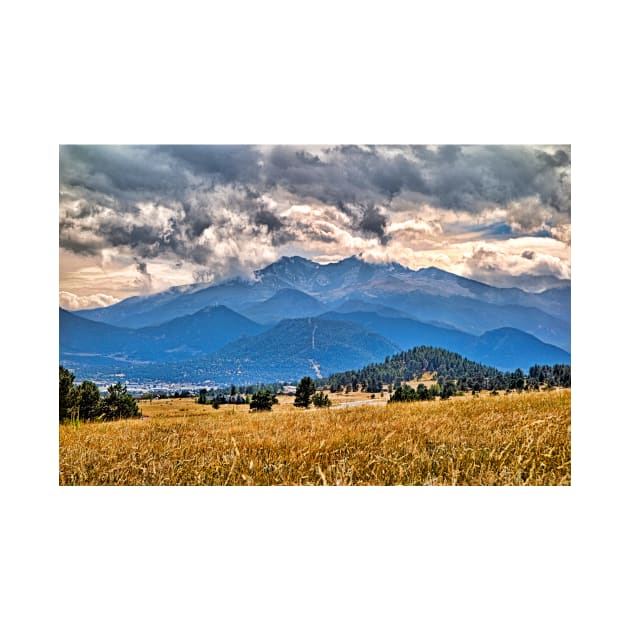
89,400
66,379
118,403
304,392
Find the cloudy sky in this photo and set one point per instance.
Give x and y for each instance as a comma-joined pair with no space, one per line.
138,219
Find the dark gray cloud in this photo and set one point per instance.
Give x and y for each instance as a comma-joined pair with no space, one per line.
229,163
264,217
145,283
473,178
374,222
142,267
463,178
123,173
188,201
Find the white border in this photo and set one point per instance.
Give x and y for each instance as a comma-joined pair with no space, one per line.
285,558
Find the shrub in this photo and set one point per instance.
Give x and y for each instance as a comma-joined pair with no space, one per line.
321,400
404,394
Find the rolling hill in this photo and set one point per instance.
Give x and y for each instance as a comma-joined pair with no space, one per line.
505,348
296,347
201,333
80,335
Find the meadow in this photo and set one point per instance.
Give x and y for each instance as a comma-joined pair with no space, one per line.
515,439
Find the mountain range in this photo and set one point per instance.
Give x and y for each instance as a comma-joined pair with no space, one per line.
297,317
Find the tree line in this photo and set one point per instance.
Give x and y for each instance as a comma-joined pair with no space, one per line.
84,402
539,376
450,368
455,374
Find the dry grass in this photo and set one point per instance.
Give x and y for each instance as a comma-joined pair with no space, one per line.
504,440
342,397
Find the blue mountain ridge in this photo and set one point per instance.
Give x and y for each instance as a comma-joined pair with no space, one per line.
262,328
332,283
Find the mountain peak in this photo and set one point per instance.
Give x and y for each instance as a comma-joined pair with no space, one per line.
352,260
434,272
216,309
294,260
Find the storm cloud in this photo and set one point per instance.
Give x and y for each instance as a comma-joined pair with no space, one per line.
226,210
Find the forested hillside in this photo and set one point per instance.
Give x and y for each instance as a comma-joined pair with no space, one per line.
448,367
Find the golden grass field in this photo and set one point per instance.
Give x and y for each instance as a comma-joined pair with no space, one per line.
516,439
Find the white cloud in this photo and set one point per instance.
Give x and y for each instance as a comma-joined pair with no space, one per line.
414,225
73,302
488,261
